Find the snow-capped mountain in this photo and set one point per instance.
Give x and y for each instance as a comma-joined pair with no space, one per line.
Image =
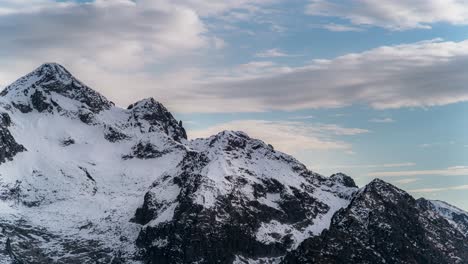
85,181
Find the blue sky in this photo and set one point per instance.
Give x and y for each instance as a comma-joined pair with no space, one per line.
370,89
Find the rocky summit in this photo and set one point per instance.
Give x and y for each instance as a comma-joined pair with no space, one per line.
85,181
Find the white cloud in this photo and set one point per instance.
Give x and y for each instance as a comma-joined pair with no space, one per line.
271,53
219,43
406,181
287,136
121,35
451,171
301,117
432,190
341,28
393,14
216,7
436,144
371,166
421,74
382,120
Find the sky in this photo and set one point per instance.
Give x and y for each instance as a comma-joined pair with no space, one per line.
374,89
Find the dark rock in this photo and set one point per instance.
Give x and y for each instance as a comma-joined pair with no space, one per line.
112,135
144,150
8,145
86,117
5,120
22,107
343,179
38,101
67,142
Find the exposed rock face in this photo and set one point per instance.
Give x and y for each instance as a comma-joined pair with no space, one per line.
150,115
383,224
144,150
8,145
455,216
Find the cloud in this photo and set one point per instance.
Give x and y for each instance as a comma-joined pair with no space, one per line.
406,181
451,171
421,74
341,28
271,53
301,117
393,14
218,8
371,166
382,120
436,144
287,136
112,36
128,50
431,190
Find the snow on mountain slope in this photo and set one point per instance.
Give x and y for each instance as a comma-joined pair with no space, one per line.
232,194
86,163
455,216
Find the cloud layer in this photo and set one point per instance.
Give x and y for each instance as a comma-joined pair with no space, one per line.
421,74
129,50
393,14
451,171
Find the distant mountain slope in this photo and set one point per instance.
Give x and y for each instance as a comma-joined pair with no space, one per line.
84,181
384,224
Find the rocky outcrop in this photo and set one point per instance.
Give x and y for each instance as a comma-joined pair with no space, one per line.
149,115
8,145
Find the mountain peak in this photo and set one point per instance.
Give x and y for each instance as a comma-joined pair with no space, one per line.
155,115
45,88
343,179
53,69
385,190
146,103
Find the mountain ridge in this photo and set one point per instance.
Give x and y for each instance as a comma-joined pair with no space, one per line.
85,181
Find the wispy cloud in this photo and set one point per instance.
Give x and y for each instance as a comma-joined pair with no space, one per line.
271,53
301,117
371,166
382,120
393,15
451,171
288,136
406,181
341,28
148,34
436,144
388,77
432,190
